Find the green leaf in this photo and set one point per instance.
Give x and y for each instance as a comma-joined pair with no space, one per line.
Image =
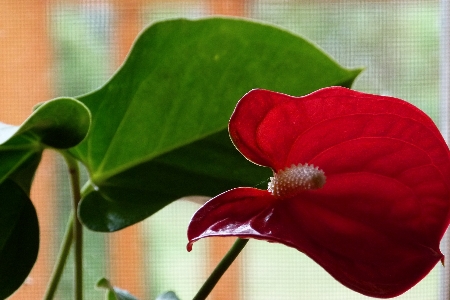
167,296
159,128
60,123
114,293
19,237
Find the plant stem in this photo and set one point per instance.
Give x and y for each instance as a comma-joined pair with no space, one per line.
61,260
74,173
221,268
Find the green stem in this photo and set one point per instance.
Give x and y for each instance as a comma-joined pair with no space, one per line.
61,260
224,264
74,173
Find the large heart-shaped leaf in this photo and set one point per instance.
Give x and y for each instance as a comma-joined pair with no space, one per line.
19,237
159,125
60,123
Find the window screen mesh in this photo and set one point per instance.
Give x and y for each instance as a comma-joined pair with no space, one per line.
67,48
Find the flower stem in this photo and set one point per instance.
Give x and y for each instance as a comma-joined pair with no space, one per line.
74,173
221,268
61,260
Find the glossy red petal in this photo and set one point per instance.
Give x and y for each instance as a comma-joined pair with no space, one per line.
230,213
352,235
377,222
265,124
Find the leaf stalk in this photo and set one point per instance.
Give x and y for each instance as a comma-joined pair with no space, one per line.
74,173
221,268
61,260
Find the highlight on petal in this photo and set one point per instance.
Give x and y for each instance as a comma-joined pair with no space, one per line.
265,124
243,205
377,222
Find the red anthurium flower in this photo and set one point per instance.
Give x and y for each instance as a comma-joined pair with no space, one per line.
361,185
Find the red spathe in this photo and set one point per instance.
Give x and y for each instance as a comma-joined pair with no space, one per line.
376,224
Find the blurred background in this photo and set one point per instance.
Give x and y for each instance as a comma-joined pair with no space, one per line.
58,48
